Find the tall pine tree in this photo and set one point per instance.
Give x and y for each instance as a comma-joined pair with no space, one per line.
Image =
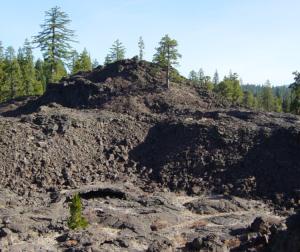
167,55
54,41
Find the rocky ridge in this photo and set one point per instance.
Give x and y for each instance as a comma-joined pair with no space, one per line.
119,123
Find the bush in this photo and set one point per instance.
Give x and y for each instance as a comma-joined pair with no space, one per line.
76,220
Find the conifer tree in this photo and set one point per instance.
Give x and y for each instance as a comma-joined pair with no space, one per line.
295,104
248,99
266,99
76,220
95,63
2,73
54,41
193,77
1,51
13,84
73,59
201,77
286,102
207,83
216,78
86,62
141,45
230,88
40,75
26,61
117,52
167,55
83,62
237,95
107,60
60,71
277,106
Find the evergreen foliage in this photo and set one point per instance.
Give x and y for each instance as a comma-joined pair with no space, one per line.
22,75
248,99
216,79
230,88
141,45
95,63
76,220
54,41
266,99
117,52
193,77
82,62
167,55
295,87
12,80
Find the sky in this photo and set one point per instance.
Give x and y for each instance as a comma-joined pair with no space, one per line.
258,39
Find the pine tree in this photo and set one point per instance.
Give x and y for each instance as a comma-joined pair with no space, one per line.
83,62
201,77
54,41
286,102
295,87
95,63
12,81
193,77
76,219
40,75
216,80
73,59
60,71
86,62
207,83
2,73
248,99
117,52
26,61
107,60
277,106
141,45
230,88
167,55
237,95
266,99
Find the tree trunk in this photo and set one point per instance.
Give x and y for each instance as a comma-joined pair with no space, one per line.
52,61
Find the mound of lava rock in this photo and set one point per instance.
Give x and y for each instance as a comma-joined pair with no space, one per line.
120,122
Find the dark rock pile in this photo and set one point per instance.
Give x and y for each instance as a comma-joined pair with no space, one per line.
119,122
127,86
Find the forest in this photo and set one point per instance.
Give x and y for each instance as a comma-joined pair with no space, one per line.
22,75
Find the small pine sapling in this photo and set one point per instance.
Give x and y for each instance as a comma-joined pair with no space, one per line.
76,220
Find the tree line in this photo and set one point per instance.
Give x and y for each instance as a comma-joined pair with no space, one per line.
261,97
22,75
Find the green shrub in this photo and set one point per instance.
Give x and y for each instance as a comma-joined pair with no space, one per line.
76,220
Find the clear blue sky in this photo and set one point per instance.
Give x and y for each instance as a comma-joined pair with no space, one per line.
258,39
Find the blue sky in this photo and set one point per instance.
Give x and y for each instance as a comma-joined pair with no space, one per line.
258,39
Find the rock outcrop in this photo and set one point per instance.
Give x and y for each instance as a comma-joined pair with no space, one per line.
120,124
